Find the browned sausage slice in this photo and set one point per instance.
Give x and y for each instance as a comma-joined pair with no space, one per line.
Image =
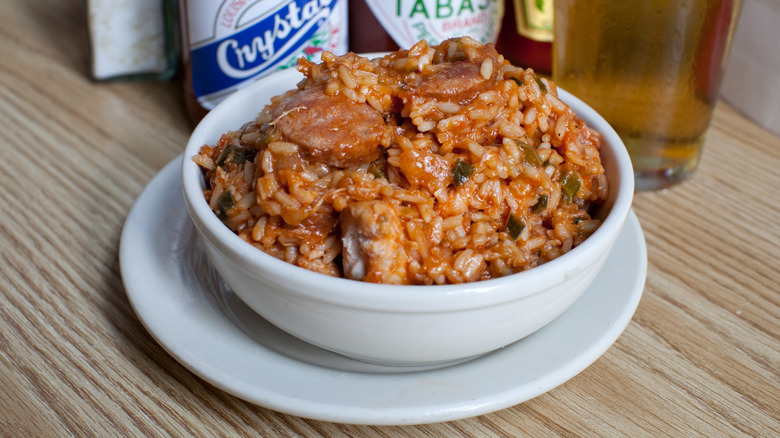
332,130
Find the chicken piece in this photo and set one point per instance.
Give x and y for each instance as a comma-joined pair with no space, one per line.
331,130
372,240
425,169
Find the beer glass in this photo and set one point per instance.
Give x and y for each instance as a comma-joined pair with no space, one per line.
652,68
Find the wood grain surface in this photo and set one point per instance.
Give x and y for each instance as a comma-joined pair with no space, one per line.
701,356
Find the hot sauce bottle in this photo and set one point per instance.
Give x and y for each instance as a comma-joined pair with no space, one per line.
527,34
229,44
387,25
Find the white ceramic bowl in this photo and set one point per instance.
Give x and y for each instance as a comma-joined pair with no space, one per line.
402,325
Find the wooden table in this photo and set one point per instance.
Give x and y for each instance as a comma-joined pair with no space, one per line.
700,357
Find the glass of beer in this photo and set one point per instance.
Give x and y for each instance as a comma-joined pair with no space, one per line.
652,68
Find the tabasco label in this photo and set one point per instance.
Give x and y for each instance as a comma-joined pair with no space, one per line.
409,21
231,43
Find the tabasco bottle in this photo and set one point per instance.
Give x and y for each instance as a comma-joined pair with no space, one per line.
228,44
527,34
386,25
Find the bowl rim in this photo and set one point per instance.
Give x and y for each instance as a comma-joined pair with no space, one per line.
341,290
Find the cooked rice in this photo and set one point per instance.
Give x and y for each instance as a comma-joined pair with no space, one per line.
482,179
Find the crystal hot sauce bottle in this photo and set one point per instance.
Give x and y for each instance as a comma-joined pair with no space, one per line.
228,44
386,25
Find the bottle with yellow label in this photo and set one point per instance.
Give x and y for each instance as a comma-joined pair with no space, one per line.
527,34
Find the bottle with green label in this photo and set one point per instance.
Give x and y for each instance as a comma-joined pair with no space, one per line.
386,25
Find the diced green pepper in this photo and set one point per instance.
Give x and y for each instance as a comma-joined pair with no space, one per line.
541,85
377,171
570,185
239,156
223,156
461,172
514,226
530,156
541,204
225,203
539,82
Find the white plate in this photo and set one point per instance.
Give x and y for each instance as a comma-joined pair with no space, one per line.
190,312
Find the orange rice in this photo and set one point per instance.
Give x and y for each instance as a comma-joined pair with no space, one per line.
431,165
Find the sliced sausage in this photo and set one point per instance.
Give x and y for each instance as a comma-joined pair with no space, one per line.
331,130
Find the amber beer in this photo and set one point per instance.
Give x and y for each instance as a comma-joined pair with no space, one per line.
652,68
